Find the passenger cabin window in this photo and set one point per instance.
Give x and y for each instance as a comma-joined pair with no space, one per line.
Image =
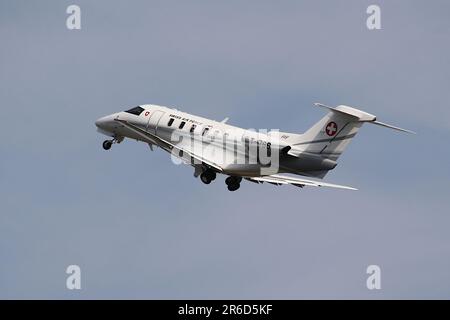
181,124
192,128
170,122
136,110
205,131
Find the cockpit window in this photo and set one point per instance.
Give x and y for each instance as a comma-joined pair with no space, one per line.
136,110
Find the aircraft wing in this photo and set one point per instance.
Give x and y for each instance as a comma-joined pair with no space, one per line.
154,139
279,179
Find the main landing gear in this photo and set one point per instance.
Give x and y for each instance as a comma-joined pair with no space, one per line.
208,176
107,144
233,183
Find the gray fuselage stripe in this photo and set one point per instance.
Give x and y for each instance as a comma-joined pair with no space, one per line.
327,140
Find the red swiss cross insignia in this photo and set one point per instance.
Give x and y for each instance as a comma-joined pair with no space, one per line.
331,128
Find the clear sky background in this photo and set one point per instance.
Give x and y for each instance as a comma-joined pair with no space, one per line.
141,227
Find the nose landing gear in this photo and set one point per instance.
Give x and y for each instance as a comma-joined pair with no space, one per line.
107,144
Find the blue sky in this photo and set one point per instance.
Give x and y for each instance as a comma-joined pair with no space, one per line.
141,227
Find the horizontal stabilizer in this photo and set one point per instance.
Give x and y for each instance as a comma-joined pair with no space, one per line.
360,116
392,127
357,114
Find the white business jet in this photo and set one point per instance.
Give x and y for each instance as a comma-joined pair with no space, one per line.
213,147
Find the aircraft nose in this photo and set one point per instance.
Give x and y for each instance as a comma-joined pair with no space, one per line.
103,122
100,122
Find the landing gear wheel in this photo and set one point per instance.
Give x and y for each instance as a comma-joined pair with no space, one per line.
233,183
212,175
233,186
208,176
233,180
107,144
205,177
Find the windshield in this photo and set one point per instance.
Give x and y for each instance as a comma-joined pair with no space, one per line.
136,110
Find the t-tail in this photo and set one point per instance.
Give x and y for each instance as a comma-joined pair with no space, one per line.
329,137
